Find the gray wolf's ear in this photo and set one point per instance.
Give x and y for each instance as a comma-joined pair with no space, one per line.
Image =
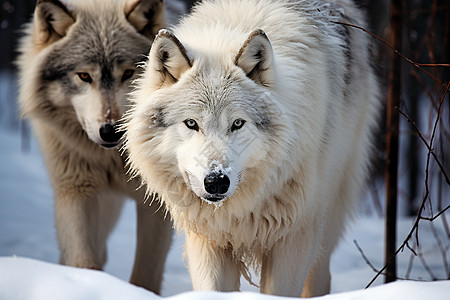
147,16
256,58
52,19
168,59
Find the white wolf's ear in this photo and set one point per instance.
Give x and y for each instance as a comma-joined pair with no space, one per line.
256,58
147,16
52,19
168,59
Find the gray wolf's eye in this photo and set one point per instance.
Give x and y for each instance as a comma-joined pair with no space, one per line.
127,74
237,124
85,77
191,124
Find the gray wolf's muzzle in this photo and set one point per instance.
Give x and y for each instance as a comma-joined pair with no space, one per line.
110,135
216,185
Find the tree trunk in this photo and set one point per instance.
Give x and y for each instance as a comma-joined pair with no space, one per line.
392,126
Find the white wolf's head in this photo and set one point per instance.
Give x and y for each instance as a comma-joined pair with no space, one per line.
203,121
84,56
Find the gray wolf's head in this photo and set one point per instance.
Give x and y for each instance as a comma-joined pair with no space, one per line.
85,54
204,121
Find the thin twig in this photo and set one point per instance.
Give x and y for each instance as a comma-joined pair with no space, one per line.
366,259
429,143
426,267
419,217
416,64
445,224
429,146
440,245
410,265
420,135
440,213
364,256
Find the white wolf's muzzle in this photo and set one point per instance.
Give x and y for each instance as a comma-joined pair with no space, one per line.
214,185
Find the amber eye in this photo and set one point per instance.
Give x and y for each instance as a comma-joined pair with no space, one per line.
85,77
237,124
127,74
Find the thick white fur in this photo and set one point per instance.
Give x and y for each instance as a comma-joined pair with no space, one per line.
298,164
90,182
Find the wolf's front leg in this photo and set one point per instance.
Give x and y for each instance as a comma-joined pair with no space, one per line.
318,281
154,236
211,268
76,220
285,267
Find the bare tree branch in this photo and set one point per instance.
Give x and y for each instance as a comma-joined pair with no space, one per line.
415,64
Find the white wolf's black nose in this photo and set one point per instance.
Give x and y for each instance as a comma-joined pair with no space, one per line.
109,134
217,183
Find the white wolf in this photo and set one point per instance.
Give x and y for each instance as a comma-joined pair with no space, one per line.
77,60
252,121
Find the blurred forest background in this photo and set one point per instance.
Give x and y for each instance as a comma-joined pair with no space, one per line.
423,187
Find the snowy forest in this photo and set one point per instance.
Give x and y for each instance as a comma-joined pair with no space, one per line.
401,232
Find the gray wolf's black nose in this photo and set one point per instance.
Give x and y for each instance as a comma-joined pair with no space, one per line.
217,183
109,133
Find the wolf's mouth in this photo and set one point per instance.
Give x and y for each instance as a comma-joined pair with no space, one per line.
214,198
110,145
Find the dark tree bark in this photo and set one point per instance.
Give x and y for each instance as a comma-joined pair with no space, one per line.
392,138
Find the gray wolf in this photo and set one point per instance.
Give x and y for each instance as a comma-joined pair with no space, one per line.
253,121
76,63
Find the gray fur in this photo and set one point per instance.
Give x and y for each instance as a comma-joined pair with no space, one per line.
67,113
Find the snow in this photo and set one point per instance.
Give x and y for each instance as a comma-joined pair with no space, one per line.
29,251
25,278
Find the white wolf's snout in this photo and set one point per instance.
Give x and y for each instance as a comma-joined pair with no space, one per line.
215,185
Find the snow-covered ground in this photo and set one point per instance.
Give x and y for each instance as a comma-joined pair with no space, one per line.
24,278
27,231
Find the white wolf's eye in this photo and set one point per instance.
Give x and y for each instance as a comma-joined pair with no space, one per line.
237,124
191,124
